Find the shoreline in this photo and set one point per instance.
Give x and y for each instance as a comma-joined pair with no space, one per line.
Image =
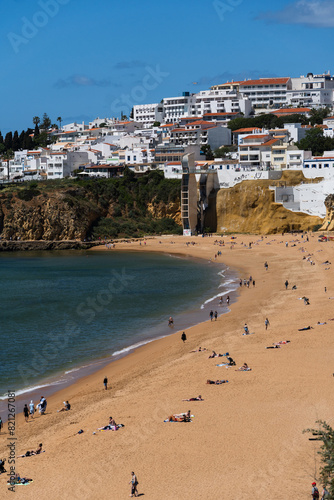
250,427
61,380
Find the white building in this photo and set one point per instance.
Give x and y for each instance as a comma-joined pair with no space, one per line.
263,93
219,101
315,91
148,114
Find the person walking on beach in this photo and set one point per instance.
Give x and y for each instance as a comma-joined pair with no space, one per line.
266,323
266,266
42,405
105,383
26,412
1,424
325,493
315,491
286,284
216,315
228,300
246,329
183,336
211,315
31,409
134,483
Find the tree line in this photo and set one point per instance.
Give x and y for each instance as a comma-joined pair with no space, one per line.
29,139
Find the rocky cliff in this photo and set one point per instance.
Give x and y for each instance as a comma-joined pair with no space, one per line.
77,210
148,205
328,223
249,207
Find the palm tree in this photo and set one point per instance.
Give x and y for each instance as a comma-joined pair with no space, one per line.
59,119
36,120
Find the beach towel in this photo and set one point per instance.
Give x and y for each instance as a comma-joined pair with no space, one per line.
31,455
249,333
22,482
110,427
177,421
223,364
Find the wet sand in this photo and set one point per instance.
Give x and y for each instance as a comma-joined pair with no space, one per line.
246,437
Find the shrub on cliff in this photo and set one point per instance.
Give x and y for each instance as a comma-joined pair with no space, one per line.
28,194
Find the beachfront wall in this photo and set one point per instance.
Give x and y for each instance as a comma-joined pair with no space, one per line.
229,175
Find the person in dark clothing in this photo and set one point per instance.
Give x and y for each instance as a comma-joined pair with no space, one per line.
26,412
183,337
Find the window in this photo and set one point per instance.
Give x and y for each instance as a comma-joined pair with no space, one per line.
314,165
326,165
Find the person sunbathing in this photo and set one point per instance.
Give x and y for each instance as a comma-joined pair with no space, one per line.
305,328
216,382
215,355
199,398
66,407
19,480
180,417
244,368
112,426
200,349
231,361
32,452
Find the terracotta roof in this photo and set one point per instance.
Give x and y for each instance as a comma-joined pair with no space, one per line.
265,81
291,110
178,130
255,136
199,122
247,129
167,125
173,163
270,143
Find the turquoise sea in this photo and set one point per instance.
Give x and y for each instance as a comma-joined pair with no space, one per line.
65,314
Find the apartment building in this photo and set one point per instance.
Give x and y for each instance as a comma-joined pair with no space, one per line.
313,91
148,114
201,132
219,102
263,93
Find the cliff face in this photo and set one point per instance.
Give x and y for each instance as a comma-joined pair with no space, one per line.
172,210
130,208
328,223
249,207
53,217
76,210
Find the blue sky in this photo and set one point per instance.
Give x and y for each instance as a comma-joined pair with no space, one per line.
80,59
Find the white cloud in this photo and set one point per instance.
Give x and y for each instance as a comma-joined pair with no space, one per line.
81,81
314,13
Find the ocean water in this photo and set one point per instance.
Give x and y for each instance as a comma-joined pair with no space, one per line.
65,312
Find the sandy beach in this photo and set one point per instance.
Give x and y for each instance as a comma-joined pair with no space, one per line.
246,438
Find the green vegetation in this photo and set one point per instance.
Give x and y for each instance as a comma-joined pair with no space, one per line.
325,433
206,150
119,206
224,151
267,121
316,142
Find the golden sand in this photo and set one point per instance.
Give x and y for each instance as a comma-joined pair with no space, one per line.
246,439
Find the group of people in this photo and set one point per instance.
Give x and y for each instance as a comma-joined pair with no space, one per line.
29,412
